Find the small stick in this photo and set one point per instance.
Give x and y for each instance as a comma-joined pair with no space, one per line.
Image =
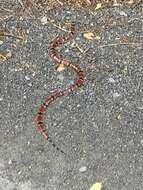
118,44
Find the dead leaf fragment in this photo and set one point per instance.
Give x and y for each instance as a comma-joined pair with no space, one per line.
96,186
98,6
88,35
119,116
61,68
3,58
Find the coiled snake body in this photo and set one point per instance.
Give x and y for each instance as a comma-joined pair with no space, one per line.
57,42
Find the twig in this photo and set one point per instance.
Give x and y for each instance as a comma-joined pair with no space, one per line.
118,44
139,84
59,27
8,10
78,47
9,35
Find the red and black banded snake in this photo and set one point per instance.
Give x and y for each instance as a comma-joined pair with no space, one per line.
57,42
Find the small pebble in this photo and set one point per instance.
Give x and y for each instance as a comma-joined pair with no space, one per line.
1,42
126,103
130,2
27,77
111,80
21,18
30,84
122,13
19,172
1,98
97,37
61,77
141,142
10,162
78,105
71,82
9,54
24,97
116,95
44,20
16,126
67,51
83,169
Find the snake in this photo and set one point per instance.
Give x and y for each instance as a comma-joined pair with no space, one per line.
79,82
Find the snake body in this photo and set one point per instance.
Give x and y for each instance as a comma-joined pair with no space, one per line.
57,42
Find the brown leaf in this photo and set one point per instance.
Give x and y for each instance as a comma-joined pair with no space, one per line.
96,186
98,6
3,57
88,35
61,68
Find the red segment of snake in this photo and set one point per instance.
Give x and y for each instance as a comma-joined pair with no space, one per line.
57,42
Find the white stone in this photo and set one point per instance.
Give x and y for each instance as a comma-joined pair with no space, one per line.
44,20
83,169
27,77
116,95
24,97
1,98
111,80
9,54
60,77
1,42
10,162
122,13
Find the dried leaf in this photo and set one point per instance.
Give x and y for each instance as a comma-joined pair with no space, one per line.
3,57
88,35
96,186
119,115
61,68
99,5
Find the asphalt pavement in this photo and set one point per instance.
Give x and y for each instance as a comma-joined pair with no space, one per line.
100,126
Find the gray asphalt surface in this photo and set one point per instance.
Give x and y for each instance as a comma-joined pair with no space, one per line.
100,126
